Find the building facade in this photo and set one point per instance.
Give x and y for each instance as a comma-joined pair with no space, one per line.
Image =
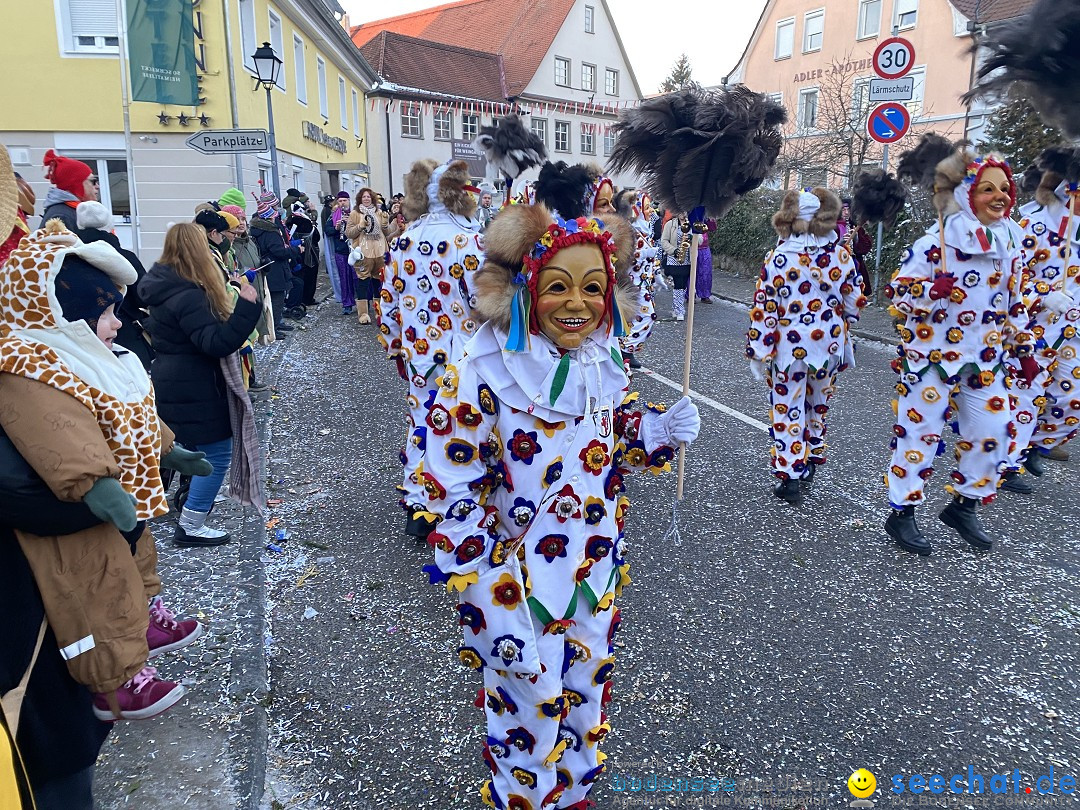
564,70
73,104
816,58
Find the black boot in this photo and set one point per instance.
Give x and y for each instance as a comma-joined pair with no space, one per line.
787,489
632,361
1015,482
1034,463
418,527
961,515
808,476
902,528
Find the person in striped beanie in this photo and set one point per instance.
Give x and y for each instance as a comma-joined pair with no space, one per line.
278,252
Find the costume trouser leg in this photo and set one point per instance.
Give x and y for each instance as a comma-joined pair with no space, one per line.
820,386
1025,403
981,449
346,280
1061,416
545,735
418,399
146,560
799,400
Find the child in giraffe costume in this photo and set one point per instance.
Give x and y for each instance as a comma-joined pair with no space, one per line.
529,440
1047,413
959,293
425,307
808,295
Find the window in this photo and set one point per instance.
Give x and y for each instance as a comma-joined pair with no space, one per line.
264,174
590,13
785,38
588,140
562,71
277,43
609,141
869,19
355,114
300,68
539,129
778,98
444,125
813,30
813,177
247,32
611,81
297,178
860,102
588,77
918,91
343,113
808,104
324,105
410,120
470,126
562,136
905,13
92,26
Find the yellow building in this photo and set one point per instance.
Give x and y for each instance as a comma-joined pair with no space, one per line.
64,93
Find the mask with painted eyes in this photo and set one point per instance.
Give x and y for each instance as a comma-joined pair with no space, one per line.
571,295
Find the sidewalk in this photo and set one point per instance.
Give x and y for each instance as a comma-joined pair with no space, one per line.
875,324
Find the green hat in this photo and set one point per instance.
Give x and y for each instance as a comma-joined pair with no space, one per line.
233,196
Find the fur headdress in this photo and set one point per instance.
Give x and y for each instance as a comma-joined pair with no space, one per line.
448,189
511,244
1053,166
937,165
787,220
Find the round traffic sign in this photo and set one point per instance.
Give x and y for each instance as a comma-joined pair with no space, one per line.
888,122
893,58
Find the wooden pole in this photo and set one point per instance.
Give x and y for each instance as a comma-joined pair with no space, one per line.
941,242
692,297
1071,197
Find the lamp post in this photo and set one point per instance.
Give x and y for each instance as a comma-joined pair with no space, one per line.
267,66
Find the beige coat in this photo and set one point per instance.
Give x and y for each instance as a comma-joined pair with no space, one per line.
91,585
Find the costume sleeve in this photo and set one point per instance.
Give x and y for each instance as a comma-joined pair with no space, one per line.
168,438
637,429
1018,337
354,226
212,336
761,336
388,306
852,293
57,435
909,290
459,471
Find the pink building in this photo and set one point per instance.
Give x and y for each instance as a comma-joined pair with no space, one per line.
815,57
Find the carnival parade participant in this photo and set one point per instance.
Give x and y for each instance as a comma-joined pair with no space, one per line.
366,230
425,307
1046,414
529,439
676,242
634,207
808,295
959,292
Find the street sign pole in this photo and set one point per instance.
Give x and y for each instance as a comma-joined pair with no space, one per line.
896,73
877,242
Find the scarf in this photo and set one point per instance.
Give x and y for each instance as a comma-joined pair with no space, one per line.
371,220
247,473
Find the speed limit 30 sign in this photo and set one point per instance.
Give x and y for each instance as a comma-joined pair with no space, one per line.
893,58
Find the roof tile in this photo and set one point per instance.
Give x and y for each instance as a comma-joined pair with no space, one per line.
436,67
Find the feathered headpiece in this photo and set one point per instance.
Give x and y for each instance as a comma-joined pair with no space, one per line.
877,197
1055,165
936,165
566,189
1037,54
521,241
700,149
510,147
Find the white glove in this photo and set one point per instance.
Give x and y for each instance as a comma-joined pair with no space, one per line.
681,422
758,369
1058,302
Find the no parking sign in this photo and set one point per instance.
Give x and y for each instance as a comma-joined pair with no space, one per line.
888,122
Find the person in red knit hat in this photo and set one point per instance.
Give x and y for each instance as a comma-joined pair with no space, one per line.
73,182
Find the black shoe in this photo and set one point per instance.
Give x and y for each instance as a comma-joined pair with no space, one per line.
1015,482
902,528
808,476
961,515
283,327
788,490
1034,463
632,361
257,386
418,527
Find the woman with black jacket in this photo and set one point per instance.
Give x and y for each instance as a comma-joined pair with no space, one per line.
278,252
195,322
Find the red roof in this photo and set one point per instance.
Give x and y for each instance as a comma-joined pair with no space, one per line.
436,67
521,31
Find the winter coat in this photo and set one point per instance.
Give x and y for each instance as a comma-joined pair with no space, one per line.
336,237
808,295
671,240
370,237
58,206
273,242
190,341
246,252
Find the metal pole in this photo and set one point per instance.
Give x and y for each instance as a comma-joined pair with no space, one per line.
273,145
238,165
877,245
133,197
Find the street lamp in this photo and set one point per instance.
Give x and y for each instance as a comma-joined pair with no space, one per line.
267,67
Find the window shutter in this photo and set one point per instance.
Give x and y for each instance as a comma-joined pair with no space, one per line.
92,18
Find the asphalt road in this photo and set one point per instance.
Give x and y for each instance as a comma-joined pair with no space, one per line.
774,649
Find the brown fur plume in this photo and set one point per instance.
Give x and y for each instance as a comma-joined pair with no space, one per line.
948,174
824,221
1045,194
452,191
415,204
511,236
785,218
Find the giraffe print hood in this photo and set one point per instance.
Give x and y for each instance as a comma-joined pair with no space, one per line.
38,343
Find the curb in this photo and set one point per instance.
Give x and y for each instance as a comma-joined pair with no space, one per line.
860,333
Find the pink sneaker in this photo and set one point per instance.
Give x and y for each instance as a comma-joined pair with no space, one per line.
141,698
165,634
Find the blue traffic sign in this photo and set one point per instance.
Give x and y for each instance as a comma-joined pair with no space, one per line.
888,122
